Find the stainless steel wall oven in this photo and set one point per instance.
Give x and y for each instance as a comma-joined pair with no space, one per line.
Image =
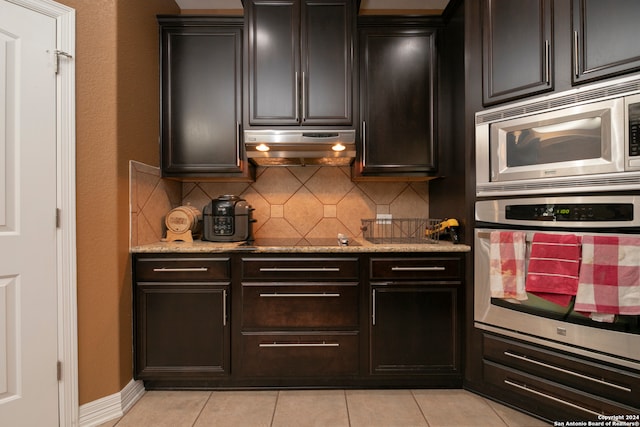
537,319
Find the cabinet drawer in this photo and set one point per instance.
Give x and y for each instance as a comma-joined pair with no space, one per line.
442,268
592,377
319,305
171,269
299,355
546,398
308,268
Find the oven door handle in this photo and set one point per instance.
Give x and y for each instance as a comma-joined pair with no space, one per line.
487,235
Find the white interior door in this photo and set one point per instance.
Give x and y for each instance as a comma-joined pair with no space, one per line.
28,268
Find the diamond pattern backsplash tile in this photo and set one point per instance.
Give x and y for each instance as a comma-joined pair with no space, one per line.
150,198
304,202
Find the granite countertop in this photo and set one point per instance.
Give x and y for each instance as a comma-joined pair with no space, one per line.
358,246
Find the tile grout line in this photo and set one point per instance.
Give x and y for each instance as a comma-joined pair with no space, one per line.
275,406
419,408
195,421
486,402
346,404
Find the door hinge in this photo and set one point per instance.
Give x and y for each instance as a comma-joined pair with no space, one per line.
59,370
58,218
56,62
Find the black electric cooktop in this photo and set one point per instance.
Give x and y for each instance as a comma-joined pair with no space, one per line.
297,241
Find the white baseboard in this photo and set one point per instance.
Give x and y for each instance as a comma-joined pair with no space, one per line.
110,407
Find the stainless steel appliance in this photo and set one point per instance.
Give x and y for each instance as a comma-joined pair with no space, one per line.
228,218
537,320
586,139
268,147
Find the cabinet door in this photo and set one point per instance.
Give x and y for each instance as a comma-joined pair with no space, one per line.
274,61
202,101
397,101
181,331
605,38
327,58
414,330
300,62
517,49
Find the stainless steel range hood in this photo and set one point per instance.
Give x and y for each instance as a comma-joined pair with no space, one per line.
300,147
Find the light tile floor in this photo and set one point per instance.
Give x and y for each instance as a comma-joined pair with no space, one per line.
330,408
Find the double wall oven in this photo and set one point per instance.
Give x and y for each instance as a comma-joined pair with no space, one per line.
564,164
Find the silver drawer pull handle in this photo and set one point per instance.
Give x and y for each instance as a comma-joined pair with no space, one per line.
547,396
299,269
566,371
418,268
177,270
291,295
310,344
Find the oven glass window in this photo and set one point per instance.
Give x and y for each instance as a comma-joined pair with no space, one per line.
561,142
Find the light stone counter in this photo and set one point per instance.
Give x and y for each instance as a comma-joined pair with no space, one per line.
363,246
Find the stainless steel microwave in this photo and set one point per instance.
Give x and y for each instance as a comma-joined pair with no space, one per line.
583,140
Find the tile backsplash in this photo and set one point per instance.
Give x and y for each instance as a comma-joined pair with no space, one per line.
311,201
150,198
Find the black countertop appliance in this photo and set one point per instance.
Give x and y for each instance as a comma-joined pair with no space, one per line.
228,218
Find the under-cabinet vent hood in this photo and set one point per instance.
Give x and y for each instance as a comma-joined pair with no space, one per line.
300,147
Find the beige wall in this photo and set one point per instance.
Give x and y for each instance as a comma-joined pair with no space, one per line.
117,120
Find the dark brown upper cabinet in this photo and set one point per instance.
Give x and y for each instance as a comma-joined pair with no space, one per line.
605,38
397,59
517,49
530,47
300,62
201,98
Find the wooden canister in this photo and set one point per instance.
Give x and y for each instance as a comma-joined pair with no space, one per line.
183,223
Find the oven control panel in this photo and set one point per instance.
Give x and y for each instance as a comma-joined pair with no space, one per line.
634,130
601,212
571,212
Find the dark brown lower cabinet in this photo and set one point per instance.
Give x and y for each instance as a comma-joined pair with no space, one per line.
297,320
414,326
556,385
181,317
300,319
182,330
413,330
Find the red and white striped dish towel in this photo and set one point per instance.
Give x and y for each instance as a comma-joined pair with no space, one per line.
554,265
610,277
507,265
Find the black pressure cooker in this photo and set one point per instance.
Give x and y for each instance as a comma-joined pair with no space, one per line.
228,218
